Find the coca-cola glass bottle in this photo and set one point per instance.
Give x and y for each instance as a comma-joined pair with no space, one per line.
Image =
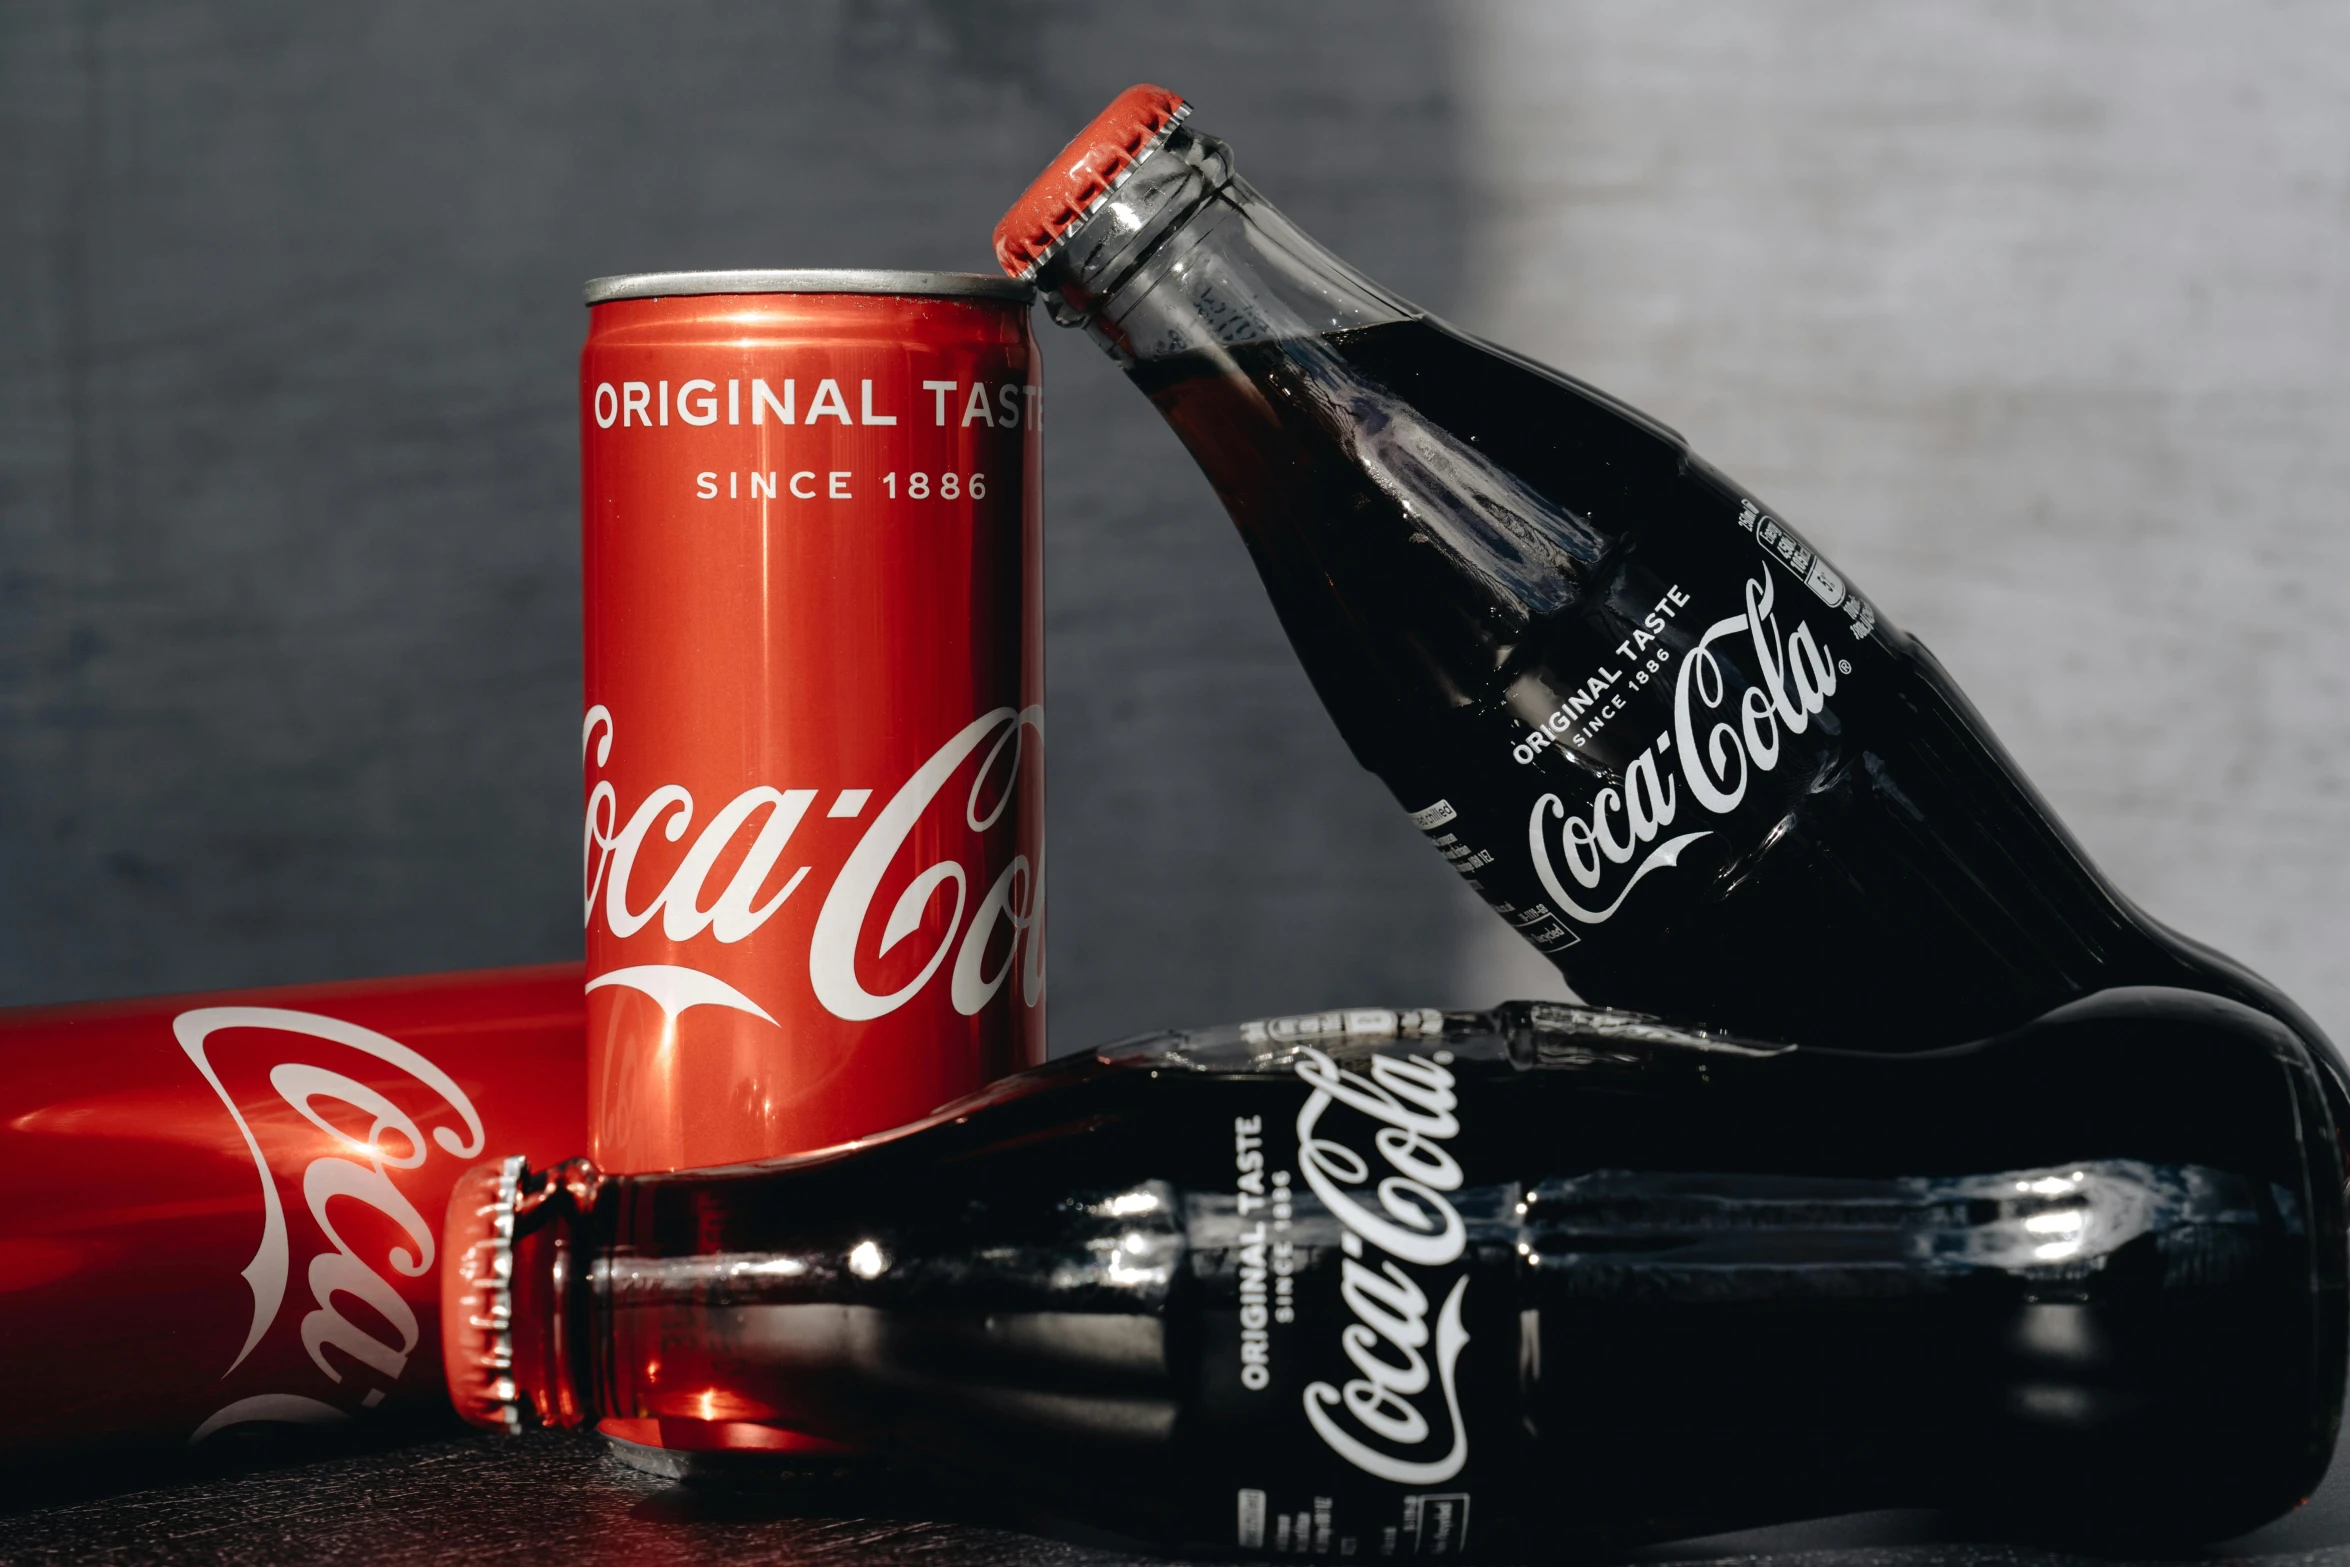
1650,724
1377,1283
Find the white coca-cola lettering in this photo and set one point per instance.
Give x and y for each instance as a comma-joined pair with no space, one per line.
274,1408
675,989
1379,1411
1794,680
1645,806
840,924
1718,771
1000,938
340,1271
367,1179
1007,904
609,857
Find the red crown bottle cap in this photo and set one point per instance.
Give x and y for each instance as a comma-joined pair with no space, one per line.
1095,163
477,1295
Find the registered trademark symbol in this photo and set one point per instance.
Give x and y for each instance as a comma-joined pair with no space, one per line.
1844,666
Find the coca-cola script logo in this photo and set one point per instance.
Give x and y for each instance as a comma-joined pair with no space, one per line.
359,1168
1718,759
1010,908
1380,1421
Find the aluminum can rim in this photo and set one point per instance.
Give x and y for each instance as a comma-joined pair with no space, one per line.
812,280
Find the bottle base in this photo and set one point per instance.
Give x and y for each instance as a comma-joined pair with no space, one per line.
733,1453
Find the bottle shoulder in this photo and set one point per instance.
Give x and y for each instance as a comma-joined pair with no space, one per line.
1654,427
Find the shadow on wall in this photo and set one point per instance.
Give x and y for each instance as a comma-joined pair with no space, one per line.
288,537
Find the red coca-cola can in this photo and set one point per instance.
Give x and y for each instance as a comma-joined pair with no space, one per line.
813,858
222,1211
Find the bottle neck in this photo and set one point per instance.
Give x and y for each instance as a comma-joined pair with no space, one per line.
811,1297
1408,564
1187,258
517,1341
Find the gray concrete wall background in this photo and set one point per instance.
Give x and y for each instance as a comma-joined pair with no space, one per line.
2036,316
288,527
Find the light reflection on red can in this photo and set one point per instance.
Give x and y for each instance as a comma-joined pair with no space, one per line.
812,864
221,1212
812,867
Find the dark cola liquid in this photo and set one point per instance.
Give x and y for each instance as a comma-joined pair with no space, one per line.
1377,1285
1659,734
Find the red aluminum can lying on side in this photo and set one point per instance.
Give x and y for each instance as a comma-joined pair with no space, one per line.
813,858
221,1210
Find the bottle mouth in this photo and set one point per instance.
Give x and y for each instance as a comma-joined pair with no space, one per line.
1088,172
477,1294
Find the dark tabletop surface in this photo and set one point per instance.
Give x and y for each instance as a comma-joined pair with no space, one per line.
559,1498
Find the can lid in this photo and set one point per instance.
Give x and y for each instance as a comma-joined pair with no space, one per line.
477,1295
812,280
1094,164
